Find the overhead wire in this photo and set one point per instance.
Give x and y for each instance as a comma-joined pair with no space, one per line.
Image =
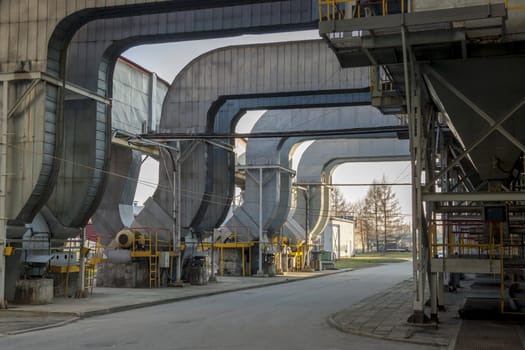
185,192
188,194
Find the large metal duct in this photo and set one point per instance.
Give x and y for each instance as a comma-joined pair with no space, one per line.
270,152
116,209
315,170
211,93
137,101
43,31
116,35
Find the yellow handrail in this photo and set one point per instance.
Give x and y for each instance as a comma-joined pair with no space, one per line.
465,243
330,10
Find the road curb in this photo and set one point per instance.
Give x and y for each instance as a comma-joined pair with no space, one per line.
75,316
40,328
123,308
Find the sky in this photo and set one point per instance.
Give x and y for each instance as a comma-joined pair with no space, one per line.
167,60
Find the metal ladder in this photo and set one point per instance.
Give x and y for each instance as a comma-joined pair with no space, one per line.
89,277
153,271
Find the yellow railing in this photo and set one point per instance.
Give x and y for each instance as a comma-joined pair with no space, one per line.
338,9
463,238
379,82
510,7
335,9
330,10
482,239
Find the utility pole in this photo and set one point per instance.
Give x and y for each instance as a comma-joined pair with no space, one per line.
82,272
176,213
178,169
213,278
307,228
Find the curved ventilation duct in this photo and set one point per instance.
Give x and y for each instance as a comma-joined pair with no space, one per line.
273,154
210,94
97,45
314,173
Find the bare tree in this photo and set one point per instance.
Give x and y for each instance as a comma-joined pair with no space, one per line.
372,209
382,207
362,225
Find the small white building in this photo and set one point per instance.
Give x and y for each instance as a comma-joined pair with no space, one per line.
338,237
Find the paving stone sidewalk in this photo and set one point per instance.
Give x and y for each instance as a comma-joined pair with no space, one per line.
385,315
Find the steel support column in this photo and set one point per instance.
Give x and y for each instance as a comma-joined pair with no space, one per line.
416,151
3,190
178,164
413,99
443,162
431,149
260,271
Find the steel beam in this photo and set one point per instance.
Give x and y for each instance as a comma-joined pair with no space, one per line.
474,196
466,265
367,44
274,134
149,150
57,82
266,166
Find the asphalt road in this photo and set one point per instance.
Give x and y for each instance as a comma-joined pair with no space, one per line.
286,316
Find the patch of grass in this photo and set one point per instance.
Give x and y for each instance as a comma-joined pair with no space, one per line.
361,261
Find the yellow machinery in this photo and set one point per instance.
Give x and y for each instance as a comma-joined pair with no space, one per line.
234,241
8,251
148,246
142,243
127,238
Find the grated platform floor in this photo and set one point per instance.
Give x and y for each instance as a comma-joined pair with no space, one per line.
484,335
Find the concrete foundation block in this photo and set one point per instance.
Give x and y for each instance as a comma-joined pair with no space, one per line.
34,292
59,284
129,275
198,275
